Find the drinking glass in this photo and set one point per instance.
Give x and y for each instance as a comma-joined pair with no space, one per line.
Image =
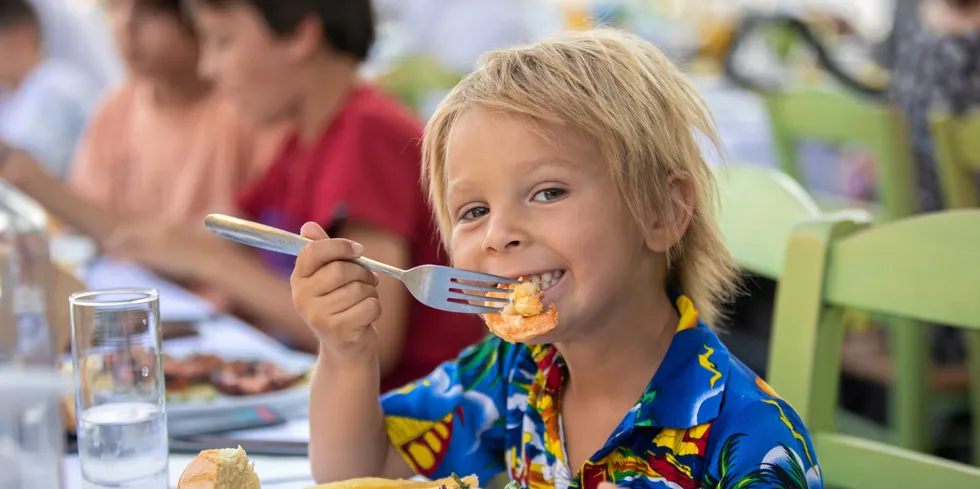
119,389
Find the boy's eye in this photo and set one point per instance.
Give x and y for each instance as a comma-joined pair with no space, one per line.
550,194
473,213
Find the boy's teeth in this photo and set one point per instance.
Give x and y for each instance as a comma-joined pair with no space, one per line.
546,279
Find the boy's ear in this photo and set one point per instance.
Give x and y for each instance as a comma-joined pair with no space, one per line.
672,221
306,38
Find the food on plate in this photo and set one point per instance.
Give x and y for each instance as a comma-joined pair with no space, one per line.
196,377
525,316
250,378
202,376
451,482
225,468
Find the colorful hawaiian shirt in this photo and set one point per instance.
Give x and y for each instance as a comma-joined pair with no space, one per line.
704,421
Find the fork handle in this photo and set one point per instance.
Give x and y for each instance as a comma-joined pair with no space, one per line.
274,239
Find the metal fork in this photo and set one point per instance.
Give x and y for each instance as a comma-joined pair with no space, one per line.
436,286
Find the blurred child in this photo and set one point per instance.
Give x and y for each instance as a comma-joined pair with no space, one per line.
44,102
574,161
163,145
352,165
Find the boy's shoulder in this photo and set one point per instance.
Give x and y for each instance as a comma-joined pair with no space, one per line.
763,429
748,395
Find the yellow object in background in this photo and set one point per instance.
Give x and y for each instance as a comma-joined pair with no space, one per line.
578,18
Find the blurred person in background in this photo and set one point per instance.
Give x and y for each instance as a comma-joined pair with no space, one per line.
77,32
352,166
161,146
46,102
936,69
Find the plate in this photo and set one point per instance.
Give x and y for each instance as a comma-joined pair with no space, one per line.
283,401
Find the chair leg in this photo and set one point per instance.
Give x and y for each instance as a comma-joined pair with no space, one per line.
973,362
909,400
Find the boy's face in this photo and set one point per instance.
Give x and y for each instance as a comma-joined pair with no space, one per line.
151,39
525,204
247,61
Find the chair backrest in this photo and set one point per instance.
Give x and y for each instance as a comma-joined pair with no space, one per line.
835,117
957,150
757,209
924,268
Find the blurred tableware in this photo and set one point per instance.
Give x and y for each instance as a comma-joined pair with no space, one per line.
119,388
30,437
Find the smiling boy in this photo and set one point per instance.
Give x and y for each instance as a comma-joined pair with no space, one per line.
577,158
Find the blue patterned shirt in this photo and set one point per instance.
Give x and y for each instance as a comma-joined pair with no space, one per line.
704,421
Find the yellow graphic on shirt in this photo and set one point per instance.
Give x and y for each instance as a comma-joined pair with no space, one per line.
792,429
689,315
764,387
622,460
424,443
704,360
414,385
680,441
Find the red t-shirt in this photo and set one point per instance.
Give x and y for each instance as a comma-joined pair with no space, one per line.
365,168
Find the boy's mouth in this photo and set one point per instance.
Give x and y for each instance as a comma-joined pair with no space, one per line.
544,280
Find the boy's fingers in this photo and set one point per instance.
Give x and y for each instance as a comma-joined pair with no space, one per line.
318,254
313,231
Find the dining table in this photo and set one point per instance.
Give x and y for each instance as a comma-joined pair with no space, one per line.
223,334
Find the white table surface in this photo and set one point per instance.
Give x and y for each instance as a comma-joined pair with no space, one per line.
227,334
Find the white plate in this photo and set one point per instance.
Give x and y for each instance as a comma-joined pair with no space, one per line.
284,401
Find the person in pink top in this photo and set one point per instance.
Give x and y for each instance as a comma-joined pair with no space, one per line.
164,146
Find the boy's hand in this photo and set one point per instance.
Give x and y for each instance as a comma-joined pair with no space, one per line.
336,298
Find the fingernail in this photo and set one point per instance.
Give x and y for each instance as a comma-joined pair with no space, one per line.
358,249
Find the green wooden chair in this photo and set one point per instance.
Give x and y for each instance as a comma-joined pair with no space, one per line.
924,268
757,209
957,149
835,117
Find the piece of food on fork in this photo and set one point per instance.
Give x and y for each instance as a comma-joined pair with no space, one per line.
525,316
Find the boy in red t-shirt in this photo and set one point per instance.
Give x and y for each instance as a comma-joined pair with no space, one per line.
352,166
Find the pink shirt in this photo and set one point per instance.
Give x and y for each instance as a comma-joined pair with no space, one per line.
142,159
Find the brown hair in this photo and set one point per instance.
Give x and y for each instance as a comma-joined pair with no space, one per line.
348,25
627,97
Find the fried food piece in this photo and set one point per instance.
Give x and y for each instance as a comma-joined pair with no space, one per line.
451,482
524,317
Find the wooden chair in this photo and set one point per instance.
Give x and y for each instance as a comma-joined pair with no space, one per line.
758,207
835,117
924,268
957,150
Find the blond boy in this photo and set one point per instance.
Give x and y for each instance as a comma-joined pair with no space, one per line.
575,160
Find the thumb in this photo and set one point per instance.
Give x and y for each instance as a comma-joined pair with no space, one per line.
312,230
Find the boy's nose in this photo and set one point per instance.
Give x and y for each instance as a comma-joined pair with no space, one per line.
503,235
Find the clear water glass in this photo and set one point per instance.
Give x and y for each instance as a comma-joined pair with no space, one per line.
119,389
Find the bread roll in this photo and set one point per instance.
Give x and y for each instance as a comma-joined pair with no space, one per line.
226,468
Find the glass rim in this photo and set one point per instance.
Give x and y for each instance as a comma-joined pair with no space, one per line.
87,297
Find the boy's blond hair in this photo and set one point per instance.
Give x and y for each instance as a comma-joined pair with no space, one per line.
633,103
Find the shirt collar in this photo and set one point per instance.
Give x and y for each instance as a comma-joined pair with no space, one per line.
688,387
